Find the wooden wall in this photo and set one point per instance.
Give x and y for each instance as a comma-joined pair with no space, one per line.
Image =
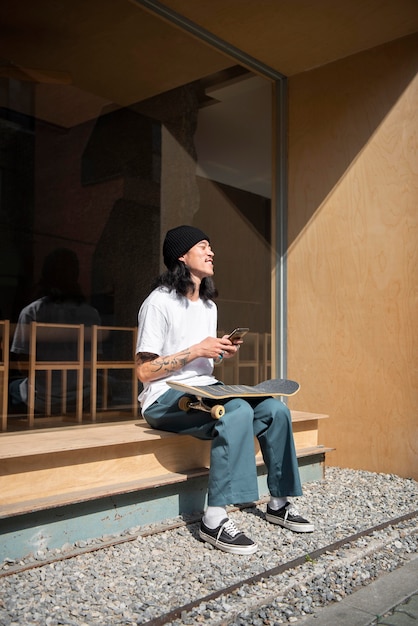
353,255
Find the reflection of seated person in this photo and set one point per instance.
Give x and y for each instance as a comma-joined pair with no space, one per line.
61,302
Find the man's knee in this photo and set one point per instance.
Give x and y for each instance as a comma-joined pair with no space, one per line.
277,410
239,409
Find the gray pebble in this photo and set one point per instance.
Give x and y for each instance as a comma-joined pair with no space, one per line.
139,580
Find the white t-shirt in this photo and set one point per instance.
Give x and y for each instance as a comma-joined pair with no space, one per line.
169,323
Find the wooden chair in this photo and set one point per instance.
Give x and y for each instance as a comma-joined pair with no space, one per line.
227,370
230,371
265,359
248,358
4,370
105,364
55,333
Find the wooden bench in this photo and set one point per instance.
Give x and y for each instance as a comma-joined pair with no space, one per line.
65,485
55,467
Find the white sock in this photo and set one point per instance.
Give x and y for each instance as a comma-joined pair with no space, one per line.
277,503
213,516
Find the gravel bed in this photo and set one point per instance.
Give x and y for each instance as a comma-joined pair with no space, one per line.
139,580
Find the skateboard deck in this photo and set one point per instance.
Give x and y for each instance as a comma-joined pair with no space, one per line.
274,387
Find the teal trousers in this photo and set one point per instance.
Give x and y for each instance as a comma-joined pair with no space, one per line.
233,473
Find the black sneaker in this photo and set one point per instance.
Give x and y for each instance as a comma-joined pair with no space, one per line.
288,517
227,537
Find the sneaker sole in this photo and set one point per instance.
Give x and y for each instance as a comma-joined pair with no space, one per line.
226,547
297,528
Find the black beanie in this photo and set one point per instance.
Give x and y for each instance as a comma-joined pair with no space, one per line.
179,240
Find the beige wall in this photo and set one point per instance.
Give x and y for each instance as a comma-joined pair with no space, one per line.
353,255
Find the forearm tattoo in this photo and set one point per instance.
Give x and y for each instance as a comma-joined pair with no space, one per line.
165,364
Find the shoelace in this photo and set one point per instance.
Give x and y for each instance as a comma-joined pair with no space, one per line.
292,510
230,528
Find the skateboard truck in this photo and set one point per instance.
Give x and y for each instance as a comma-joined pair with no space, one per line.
186,403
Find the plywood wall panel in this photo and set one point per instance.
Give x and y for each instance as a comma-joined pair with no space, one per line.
353,255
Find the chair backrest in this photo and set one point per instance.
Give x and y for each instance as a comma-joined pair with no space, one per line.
248,365
4,370
125,338
44,356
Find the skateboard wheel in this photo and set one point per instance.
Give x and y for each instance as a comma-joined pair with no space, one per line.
184,403
218,411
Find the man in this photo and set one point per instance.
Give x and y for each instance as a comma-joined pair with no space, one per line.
60,301
177,340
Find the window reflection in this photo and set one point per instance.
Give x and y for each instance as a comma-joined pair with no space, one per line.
60,304
105,182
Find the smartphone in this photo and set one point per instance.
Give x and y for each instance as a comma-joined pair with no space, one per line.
237,334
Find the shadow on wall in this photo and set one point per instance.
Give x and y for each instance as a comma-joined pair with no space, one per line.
333,113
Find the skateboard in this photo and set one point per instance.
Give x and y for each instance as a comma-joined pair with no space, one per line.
274,387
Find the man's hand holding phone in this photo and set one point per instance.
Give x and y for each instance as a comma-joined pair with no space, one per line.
237,335
231,344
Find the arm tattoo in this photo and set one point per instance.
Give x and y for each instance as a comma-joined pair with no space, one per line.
164,363
171,364
144,357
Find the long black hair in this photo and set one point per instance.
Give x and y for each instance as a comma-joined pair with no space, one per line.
179,279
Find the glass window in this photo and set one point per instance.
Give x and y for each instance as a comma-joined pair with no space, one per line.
88,188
